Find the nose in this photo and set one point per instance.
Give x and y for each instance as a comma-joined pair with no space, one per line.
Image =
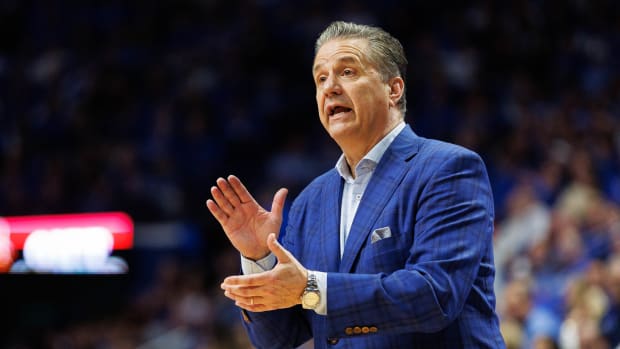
331,86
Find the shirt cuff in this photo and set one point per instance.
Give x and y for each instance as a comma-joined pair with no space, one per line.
321,281
249,266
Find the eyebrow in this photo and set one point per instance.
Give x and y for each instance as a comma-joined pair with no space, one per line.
343,59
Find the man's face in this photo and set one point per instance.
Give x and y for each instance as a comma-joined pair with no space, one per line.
352,98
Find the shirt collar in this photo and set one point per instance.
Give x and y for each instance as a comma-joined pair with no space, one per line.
372,157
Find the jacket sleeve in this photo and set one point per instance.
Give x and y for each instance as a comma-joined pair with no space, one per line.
452,229
285,328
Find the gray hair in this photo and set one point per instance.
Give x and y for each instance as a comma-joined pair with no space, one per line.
385,51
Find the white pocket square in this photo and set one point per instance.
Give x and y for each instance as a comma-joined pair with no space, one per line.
380,234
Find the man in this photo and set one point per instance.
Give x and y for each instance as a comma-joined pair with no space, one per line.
392,248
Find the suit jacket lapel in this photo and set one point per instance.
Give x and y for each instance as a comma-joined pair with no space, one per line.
329,245
386,178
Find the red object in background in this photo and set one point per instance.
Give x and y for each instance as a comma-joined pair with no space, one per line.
7,254
118,223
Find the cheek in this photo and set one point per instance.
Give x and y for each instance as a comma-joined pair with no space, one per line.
375,98
366,99
319,105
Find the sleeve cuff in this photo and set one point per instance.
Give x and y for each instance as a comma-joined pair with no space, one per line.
321,280
249,266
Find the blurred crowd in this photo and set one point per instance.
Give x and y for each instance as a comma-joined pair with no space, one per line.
140,106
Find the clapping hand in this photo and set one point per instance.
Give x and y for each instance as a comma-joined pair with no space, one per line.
244,221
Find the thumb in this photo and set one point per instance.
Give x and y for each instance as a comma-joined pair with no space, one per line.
274,246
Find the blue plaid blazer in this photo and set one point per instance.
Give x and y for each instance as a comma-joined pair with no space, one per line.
429,285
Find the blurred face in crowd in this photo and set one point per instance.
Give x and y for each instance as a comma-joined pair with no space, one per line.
517,300
613,279
356,105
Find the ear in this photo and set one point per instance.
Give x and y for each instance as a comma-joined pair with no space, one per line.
397,88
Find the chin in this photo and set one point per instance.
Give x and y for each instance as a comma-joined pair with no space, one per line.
340,132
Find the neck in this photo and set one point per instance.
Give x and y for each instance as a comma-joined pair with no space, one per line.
355,151
354,156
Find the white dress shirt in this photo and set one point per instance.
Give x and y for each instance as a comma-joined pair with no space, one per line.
352,194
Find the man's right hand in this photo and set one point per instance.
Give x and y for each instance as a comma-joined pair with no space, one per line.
244,221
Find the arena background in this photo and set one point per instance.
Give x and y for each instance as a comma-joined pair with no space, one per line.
139,106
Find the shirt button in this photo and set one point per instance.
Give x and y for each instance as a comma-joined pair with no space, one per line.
332,341
358,197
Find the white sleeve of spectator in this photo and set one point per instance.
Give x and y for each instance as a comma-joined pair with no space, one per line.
249,266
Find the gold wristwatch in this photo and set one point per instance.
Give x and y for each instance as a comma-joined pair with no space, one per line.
311,296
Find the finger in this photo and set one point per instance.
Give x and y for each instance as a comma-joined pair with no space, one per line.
244,299
259,305
244,303
256,304
244,291
258,279
215,210
228,192
274,246
221,200
277,206
240,190
255,308
256,301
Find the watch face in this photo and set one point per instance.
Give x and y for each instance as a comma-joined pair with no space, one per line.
311,298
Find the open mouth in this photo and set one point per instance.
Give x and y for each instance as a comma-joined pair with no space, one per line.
337,110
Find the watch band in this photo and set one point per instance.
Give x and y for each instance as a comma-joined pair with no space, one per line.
312,284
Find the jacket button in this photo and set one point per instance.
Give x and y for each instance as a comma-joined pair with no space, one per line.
365,329
357,330
373,329
348,331
332,341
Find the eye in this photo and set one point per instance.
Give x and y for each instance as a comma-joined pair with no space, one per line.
347,72
321,78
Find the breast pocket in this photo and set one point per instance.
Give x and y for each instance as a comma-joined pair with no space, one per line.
384,255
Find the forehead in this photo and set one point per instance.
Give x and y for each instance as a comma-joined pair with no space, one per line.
341,49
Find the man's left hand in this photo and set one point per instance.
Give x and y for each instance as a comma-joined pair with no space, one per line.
278,288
